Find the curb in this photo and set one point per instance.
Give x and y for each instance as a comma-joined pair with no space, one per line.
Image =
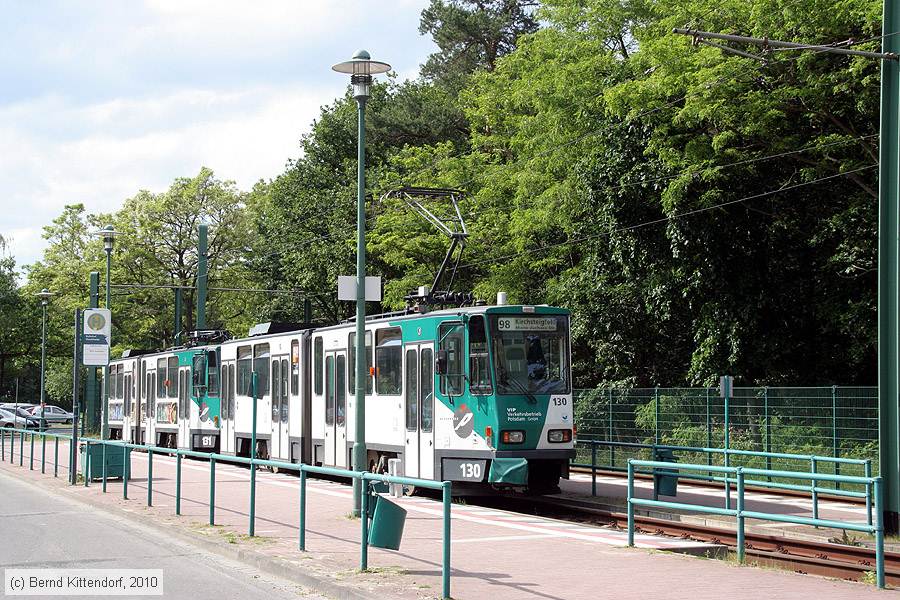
267,564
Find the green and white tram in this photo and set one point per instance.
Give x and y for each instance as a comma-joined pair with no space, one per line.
480,395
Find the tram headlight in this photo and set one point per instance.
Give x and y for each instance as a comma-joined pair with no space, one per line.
559,436
512,437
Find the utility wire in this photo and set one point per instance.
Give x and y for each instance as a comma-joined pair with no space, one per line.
666,219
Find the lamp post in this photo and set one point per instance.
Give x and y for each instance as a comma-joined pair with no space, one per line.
361,68
108,234
44,295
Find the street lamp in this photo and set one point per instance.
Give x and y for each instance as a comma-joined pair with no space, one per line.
44,295
108,234
361,68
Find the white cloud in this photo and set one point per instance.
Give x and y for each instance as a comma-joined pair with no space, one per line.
105,99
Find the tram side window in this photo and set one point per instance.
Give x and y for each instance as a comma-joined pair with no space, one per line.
212,373
127,396
352,362
183,393
388,361
199,377
479,365
261,366
451,343
295,367
317,365
284,390
148,405
120,384
276,387
173,368
143,380
412,391
427,377
161,378
244,369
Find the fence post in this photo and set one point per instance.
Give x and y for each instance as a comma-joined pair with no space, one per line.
768,431
302,534
125,472
629,504
31,452
879,534
364,523
656,414
740,514
177,482
43,453
593,468
868,473
212,493
149,477
2,444
254,382
813,486
103,468
708,432
609,437
21,447
55,456
445,566
836,453
87,464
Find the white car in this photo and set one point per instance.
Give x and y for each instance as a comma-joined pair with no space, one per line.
53,414
8,419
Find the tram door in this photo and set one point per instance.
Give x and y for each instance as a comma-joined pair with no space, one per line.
419,412
336,409
149,433
280,407
185,393
226,408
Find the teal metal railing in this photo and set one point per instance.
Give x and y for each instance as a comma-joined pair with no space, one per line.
812,461
738,474
302,469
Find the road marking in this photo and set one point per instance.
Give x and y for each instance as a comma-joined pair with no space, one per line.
507,538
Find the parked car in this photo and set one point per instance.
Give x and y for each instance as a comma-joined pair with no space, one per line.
53,414
9,419
23,405
23,412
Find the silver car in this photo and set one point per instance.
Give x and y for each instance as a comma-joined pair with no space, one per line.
53,414
8,419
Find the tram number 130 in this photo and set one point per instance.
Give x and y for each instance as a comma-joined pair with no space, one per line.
456,469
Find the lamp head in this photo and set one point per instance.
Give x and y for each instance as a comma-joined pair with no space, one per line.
361,68
44,295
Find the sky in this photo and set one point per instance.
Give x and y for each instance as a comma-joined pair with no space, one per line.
101,99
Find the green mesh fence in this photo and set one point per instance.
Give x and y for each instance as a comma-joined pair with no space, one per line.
823,421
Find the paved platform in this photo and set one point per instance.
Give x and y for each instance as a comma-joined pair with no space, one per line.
611,490
494,553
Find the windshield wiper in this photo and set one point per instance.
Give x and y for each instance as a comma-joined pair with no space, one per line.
518,384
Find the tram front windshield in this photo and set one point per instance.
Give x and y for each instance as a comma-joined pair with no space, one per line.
531,354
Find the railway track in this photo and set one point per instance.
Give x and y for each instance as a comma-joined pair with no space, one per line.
842,561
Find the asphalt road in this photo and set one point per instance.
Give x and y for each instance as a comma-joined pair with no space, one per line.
42,530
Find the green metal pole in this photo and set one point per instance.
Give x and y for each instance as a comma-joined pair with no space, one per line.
629,504
888,264
879,532
202,277
815,494
768,431
656,415
92,387
212,492
302,534
21,447
609,438
254,378
594,468
104,434
359,438
836,452
56,457
103,468
364,524
125,472
740,514
445,566
868,473
178,316
178,484
43,377
149,477
31,452
726,384
708,431
87,464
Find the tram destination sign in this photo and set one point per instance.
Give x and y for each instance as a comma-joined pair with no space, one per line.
96,338
526,323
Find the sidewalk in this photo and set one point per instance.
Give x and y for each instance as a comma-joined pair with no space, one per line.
494,553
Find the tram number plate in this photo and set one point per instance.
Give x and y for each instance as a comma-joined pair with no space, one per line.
206,440
460,469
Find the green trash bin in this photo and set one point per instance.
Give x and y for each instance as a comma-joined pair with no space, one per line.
388,520
115,461
665,481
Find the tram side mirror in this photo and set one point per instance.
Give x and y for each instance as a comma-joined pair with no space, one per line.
440,362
